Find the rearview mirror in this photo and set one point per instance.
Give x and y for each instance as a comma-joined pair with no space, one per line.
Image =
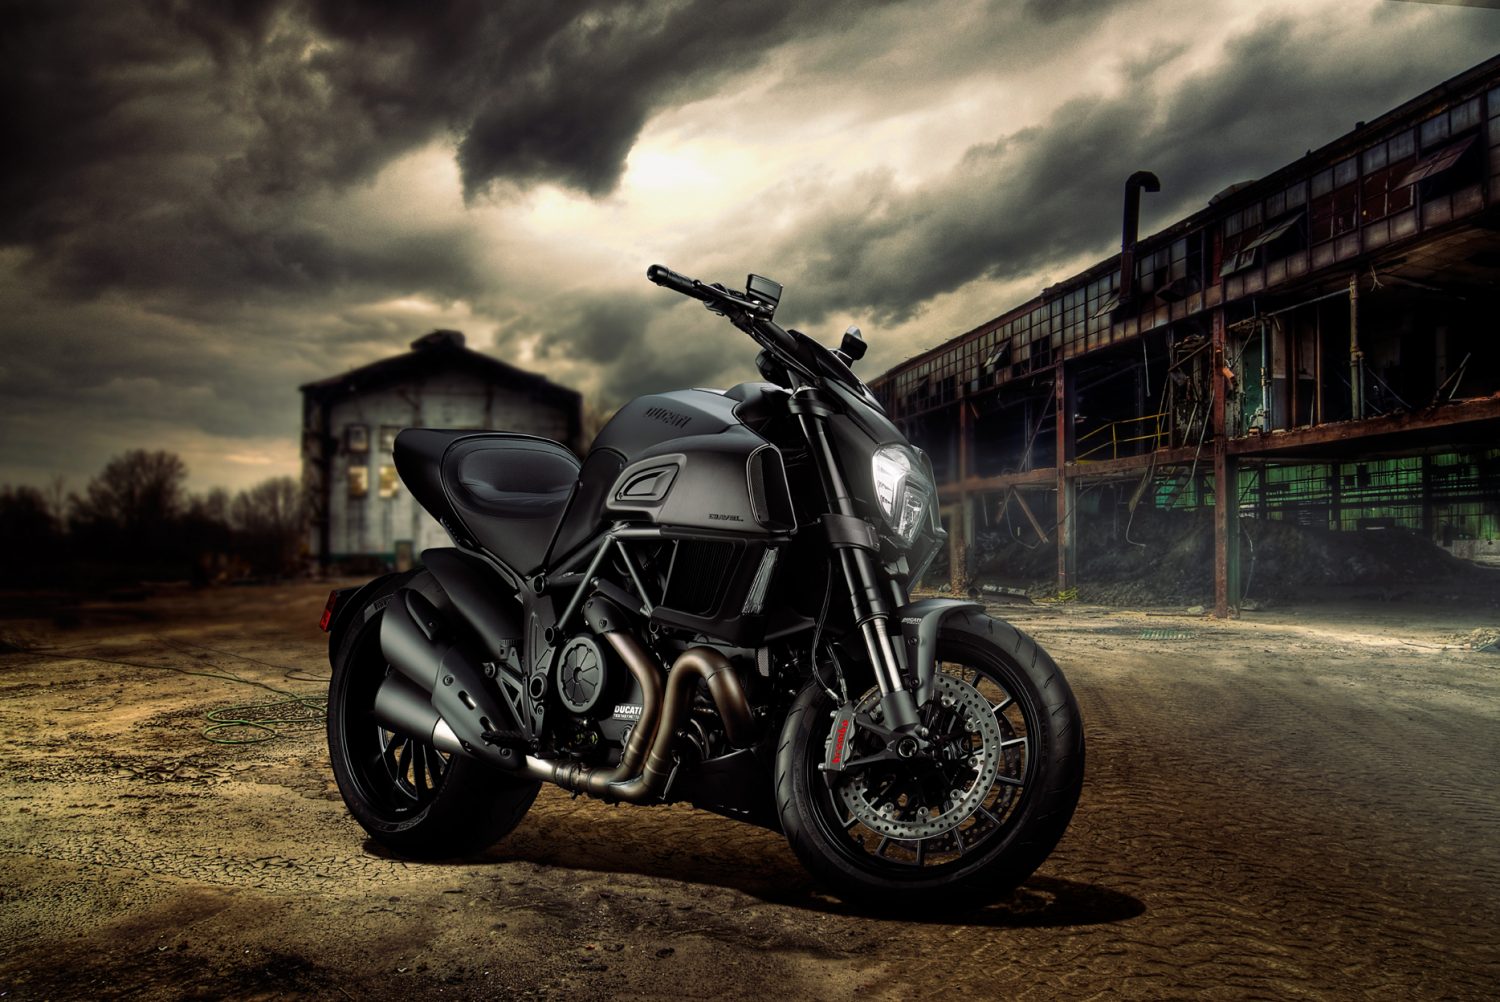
853,346
763,290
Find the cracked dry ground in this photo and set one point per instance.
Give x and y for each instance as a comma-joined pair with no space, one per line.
1290,805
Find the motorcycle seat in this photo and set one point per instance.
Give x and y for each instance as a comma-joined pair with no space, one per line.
509,491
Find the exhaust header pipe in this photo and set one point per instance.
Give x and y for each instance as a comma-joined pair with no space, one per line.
661,718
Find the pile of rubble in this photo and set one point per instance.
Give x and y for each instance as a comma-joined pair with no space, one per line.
1167,558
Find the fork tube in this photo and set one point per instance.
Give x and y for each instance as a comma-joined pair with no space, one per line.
871,609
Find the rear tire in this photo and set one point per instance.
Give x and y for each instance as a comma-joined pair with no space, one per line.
1020,820
410,797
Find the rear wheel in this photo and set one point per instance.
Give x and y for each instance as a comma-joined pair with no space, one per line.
411,797
964,824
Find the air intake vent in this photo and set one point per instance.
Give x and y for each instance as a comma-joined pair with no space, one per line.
770,499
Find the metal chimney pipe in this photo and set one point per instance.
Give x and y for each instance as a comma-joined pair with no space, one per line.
1141,180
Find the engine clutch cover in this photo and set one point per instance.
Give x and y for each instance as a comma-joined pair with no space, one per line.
583,676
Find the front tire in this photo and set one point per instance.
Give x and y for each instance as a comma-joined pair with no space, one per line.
876,843
410,797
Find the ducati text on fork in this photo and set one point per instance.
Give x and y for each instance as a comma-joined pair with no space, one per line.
713,607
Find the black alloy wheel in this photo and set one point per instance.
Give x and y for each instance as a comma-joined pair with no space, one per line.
968,819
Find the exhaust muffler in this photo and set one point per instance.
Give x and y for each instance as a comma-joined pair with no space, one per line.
418,644
402,705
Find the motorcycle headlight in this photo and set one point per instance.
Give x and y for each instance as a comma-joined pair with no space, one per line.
902,490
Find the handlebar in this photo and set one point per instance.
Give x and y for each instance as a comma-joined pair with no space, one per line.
669,279
748,315
716,296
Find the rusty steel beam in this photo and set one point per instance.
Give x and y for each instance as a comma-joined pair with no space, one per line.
1268,444
1030,517
961,566
1459,412
1067,488
1125,467
1132,464
952,491
1226,486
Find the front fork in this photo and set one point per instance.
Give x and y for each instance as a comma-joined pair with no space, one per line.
858,547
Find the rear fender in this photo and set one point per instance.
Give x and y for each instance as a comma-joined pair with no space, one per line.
354,606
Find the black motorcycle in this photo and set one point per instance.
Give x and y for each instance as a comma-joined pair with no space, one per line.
714,607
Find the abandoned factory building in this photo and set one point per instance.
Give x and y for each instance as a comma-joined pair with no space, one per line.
1318,346
361,515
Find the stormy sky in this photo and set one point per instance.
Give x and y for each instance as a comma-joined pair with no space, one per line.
206,204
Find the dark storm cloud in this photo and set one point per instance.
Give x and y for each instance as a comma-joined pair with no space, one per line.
645,343
572,111
187,167
1050,193
196,213
178,144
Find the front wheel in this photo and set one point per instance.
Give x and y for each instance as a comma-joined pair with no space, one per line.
963,824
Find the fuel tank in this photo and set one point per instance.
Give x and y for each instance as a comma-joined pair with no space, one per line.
683,459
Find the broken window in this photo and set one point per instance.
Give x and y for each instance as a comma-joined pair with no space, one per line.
1255,246
359,481
1238,255
1384,189
1282,235
1463,116
1000,356
1332,214
1439,162
389,483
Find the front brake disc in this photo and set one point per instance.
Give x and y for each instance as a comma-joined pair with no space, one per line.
890,798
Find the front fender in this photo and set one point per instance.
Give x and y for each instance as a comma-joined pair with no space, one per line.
919,629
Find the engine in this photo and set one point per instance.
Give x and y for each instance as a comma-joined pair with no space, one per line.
602,700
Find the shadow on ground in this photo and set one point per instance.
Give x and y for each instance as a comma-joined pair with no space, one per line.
1040,903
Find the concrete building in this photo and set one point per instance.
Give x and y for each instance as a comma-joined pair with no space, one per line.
1318,345
361,515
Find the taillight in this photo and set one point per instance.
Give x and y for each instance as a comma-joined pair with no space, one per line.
323,624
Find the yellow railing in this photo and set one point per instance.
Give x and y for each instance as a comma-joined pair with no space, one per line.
1115,434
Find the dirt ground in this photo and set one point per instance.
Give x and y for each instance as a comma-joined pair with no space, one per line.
1301,803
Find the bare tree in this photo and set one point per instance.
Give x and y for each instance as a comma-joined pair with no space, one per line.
270,519
211,507
56,494
272,507
138,491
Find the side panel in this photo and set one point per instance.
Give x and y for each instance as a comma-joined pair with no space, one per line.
678,459
586,507
732,481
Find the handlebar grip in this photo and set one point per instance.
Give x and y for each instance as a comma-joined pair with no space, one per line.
669,279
